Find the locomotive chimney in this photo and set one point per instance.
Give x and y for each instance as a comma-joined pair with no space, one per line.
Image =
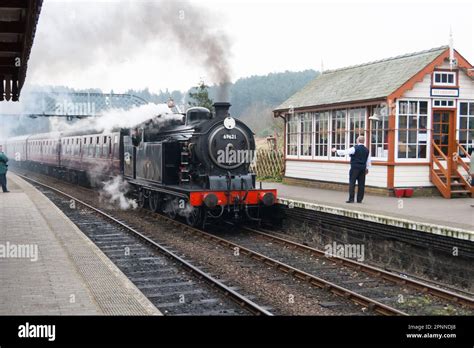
222,109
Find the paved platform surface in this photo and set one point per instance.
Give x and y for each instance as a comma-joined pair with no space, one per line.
49,267
451,217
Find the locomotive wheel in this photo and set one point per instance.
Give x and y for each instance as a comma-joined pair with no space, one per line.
194,217
154,202
141,199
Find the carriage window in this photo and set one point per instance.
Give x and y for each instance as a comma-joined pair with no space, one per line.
90,148
104,147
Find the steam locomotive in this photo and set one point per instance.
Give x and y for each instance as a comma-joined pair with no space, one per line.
194,165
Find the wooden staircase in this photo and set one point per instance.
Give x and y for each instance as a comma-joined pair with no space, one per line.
451,175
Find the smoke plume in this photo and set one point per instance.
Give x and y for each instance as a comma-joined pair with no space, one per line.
117,118
85,34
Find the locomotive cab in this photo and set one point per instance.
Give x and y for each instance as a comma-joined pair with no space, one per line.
197,115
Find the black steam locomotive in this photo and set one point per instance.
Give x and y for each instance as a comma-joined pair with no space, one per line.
195,165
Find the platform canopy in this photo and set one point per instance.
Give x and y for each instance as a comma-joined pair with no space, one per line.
18,21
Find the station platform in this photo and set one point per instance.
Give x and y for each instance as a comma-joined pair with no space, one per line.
49,267
437,215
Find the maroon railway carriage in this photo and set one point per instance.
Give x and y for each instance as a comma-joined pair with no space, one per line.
77,157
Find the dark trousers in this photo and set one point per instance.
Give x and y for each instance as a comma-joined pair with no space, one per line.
3,182
359,176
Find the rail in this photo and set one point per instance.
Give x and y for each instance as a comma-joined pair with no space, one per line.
414,284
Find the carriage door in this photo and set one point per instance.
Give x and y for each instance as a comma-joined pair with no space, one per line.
128,160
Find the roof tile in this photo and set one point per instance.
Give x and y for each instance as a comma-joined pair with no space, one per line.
372,80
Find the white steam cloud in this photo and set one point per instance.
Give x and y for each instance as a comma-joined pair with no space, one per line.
117,118
114,193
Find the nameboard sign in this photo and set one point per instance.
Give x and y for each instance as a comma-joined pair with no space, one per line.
445,92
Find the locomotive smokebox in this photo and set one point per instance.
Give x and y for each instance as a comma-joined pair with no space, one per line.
222,109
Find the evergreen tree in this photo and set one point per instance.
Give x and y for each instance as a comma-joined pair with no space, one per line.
200,96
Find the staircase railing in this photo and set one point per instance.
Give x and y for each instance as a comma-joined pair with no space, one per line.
444,188
459,161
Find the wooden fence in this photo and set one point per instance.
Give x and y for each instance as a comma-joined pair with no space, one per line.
268,164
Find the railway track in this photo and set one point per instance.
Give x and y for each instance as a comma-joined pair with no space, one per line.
432,289
154,268
383,292
398,291
359,299
380,291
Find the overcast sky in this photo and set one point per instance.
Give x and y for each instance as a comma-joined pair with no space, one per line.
262,37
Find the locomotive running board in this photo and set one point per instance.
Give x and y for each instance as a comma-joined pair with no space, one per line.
157,188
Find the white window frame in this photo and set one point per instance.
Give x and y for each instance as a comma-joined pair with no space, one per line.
346,136
458,117
444,106
300,134
298,131
369,135
428,131
445,84
326,157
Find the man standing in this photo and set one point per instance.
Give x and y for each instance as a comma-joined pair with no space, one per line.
360,163
3,170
